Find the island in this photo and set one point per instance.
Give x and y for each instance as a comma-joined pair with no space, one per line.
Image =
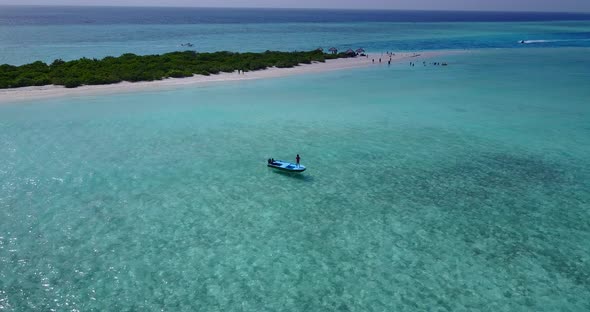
134,68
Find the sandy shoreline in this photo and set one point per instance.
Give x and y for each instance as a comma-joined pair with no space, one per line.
52,91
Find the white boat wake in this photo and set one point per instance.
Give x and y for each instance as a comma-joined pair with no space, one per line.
549,41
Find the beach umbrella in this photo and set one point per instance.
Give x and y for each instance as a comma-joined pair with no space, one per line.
333,50
349,51
360,50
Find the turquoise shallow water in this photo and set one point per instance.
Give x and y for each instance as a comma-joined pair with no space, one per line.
429,188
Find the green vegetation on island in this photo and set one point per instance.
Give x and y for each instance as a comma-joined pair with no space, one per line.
133,68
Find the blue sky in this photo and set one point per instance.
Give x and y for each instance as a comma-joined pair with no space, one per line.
498,5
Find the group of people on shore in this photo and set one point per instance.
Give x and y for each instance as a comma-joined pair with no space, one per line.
432,63
391,55
388,61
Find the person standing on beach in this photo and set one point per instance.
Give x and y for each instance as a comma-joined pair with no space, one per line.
297,159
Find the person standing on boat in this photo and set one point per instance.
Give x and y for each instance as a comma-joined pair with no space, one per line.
297,159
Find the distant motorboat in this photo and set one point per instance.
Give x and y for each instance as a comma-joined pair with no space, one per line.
286,166
186,44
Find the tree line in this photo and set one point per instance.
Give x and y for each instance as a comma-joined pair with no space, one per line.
133,68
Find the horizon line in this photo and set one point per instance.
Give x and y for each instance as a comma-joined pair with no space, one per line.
285,8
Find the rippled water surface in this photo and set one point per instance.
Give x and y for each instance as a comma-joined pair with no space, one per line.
463,187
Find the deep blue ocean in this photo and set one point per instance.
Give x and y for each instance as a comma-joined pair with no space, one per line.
52,15
429,188
28,34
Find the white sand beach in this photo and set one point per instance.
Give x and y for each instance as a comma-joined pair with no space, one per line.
53,91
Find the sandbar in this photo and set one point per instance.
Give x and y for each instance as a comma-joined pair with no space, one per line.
53,91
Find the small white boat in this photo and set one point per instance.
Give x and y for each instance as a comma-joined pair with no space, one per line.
286,166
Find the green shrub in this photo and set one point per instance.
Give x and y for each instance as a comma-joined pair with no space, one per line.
131,67
72,83
175,73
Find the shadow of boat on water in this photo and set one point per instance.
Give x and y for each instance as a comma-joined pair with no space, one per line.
294,175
